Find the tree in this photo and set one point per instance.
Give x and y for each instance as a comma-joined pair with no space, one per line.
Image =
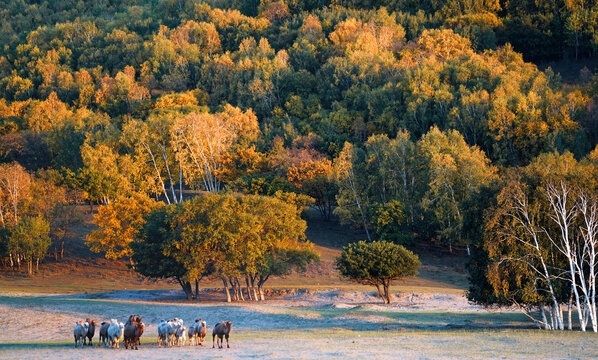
454,171
315,179
204,139
118,223
150,250
151,143
30,241
14,192
233,238
389,219
539,242
377,263
351,198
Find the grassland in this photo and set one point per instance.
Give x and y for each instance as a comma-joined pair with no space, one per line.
40,328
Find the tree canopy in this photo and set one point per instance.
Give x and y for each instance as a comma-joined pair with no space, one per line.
377,263
243,238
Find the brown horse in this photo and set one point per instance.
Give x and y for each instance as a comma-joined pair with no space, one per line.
133,331
221,330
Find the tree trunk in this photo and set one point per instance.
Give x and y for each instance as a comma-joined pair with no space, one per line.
260,286
225,283
37,265
186,285
261,291
387,291
188,290
248,287
254,289
62,250
196,289
239,289
234,290
569,313
380,293
180,184
544,320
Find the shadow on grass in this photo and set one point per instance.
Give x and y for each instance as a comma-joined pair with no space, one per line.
35,345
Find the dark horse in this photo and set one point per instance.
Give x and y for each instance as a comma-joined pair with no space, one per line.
221,330
91,330
133,331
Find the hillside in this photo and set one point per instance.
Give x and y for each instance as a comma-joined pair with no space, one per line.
82,271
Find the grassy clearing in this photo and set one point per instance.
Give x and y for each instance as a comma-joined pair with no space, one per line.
291,332
20,314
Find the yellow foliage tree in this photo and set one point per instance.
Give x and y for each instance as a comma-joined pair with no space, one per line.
117,224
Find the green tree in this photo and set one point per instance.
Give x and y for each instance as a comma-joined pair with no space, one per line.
30,241
233,238
389,221
377,263
454,172
352,197
150,255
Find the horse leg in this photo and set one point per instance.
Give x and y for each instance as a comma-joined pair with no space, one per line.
227,345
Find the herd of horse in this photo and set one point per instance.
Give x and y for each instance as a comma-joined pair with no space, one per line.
170,333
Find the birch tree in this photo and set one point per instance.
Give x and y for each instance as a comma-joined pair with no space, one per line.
541,241
14,191
515,240
588,208
205,137
352,197
153,145
563,212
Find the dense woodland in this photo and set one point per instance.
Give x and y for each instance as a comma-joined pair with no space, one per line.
419,122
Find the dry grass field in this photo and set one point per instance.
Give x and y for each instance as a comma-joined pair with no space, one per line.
310,324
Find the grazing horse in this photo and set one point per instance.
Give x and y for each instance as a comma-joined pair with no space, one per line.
221,330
